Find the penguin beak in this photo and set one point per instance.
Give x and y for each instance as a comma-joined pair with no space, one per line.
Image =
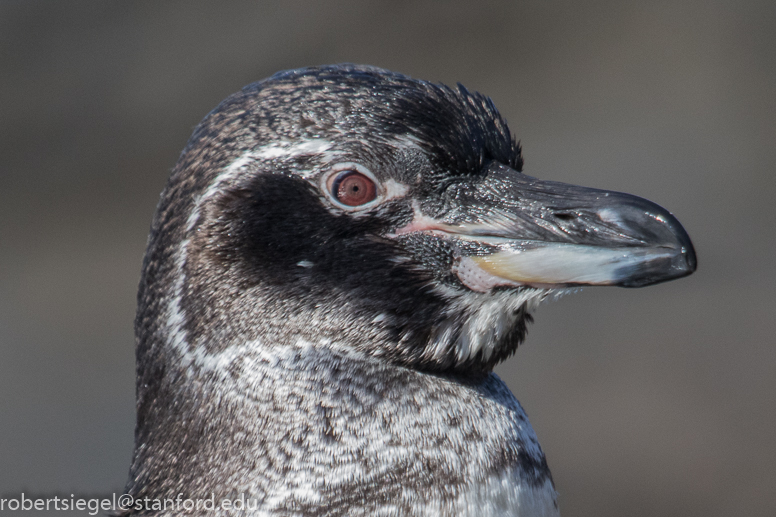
509,229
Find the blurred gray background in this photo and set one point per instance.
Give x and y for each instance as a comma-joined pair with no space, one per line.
656,401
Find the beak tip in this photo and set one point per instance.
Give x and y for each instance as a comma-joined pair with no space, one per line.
681,265
691,258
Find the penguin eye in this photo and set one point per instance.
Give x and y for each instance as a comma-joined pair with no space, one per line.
352,188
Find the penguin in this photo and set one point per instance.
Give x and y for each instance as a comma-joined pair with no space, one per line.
340,257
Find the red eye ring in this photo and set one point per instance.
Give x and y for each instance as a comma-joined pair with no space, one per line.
352,188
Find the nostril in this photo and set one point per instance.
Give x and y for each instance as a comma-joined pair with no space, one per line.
564,216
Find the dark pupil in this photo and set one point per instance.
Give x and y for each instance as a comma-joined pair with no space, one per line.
353,189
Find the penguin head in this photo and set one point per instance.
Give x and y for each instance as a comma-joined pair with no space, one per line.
380,215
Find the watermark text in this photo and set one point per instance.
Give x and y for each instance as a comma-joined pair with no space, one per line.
125,503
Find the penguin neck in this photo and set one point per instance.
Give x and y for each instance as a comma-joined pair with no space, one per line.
301,414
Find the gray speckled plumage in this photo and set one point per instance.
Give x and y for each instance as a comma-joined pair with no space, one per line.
325,360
